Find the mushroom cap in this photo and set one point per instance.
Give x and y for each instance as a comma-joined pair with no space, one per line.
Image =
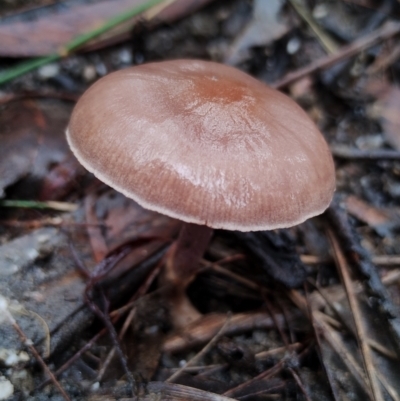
204,143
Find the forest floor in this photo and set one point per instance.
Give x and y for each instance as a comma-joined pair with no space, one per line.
306,313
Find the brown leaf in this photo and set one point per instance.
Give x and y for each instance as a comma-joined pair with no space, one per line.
32,141
124,219
44,30
61,179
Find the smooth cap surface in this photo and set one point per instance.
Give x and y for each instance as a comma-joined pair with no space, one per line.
204,143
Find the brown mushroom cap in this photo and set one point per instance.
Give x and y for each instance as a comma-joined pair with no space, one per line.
204,143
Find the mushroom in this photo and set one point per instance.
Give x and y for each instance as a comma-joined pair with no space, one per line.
206,144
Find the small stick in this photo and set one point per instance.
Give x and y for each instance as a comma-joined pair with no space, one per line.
263,375
115,315
328,372
274,351
284,338
200,354
333,339
299,383
240,279
372,343
326,41
344,152
25,340
360,259
29,204
385,32
266,393
354,306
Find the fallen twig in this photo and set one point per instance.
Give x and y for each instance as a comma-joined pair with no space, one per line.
5,313
115,315
27,204
361,260
326,41
325,366
355,308
385,32
201,353
299,383
205,328
332,337
262,376
345,152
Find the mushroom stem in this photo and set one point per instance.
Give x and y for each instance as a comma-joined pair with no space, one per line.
181,268
186,253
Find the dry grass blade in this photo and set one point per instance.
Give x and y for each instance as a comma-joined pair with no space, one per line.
360,329
154,11
326,41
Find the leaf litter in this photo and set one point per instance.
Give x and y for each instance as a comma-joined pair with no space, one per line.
318,340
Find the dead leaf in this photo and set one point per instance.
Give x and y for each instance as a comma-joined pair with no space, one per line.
32,141
264,28
123,220
61,179
44,30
